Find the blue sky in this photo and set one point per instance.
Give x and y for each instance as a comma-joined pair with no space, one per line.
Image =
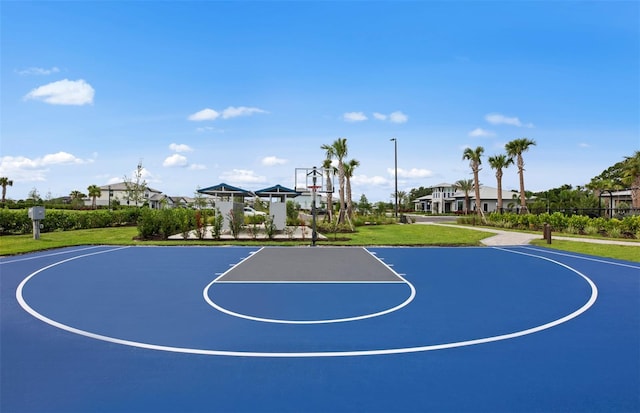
245,92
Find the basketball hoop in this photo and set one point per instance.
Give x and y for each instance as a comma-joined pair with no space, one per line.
324,180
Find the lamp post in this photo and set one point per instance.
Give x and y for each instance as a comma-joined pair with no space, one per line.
395,152
110,193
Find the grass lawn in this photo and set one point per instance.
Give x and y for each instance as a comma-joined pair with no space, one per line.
621,252
374,235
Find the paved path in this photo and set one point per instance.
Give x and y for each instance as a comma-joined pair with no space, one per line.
503,237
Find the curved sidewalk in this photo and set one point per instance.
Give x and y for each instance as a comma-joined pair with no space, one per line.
503,237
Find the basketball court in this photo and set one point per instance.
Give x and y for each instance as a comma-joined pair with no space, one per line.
131,329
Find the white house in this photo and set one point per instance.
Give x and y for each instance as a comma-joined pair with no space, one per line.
446,198
118,192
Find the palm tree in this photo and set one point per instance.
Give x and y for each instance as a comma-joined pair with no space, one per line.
94,192
348,173
5,182
631,177
338,150
515,148
474,156
465,185
499,162
327,166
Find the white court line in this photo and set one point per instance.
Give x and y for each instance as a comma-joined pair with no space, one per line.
205,294
51,255
583,257
402,350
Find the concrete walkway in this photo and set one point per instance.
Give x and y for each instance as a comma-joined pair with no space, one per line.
503,237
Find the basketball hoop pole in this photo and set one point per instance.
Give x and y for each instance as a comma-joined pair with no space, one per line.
314,234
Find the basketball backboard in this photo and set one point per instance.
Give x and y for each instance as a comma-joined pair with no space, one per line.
322,179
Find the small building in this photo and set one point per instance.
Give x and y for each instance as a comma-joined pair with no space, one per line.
447,198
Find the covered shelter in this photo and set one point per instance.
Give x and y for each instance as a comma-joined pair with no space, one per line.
227,198
278,196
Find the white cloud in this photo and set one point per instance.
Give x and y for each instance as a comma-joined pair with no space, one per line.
21,168
354,117
479,132
242,176
197,167
228,113
209,129
37,71
398,117
204,114
175,160
234,112
366,180
64,92
499,119
273,161
411,173
176,147
584,145
379,116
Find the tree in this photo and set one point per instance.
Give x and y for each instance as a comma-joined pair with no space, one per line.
465,185
76,198
500,162
338,150
349,167
5,182
515,148
34,195
364,206
327,166
474,156
631,177
94,192
136,187
416,193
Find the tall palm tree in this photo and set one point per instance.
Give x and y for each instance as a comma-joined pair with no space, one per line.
338,150
327,166
500,162
348,174
465,185
474,156
94,192
515,148
631,177
5,182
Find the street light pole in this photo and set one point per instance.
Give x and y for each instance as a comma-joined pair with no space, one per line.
395,152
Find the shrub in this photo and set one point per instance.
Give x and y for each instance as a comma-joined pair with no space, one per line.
148,224
217,221
235,223
270,226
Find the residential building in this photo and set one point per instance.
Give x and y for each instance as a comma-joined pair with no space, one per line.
118,192
446,198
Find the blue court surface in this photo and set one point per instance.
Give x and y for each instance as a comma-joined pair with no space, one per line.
226,329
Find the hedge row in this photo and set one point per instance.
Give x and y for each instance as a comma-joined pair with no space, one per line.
17,221
627,227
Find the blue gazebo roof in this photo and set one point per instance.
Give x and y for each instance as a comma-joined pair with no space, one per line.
278,190
224,190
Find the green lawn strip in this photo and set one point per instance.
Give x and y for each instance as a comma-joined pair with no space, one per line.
392,235
408,235
367,235
621,252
